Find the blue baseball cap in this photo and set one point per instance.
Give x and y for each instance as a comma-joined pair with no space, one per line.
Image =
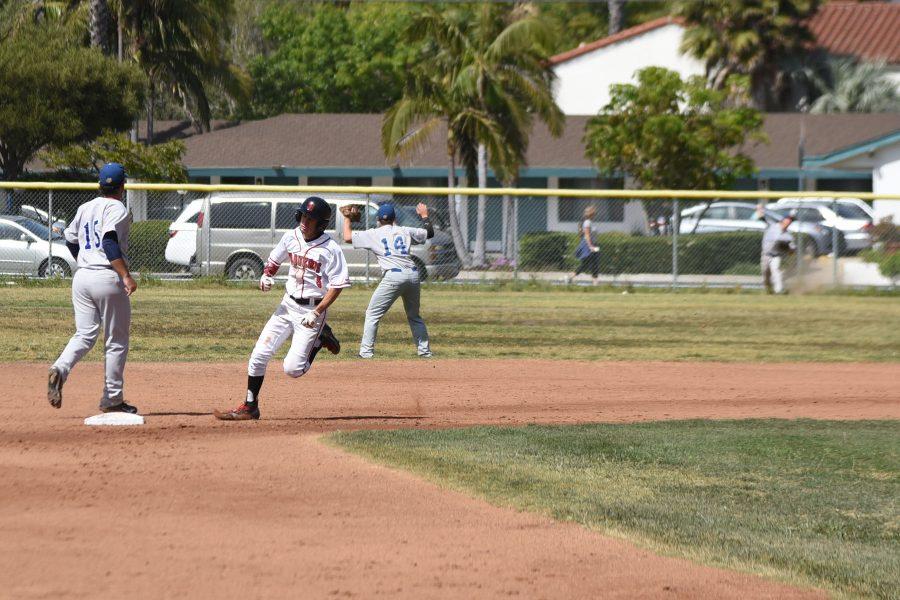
112,175
386,212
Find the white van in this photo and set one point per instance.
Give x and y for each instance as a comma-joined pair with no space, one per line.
233,233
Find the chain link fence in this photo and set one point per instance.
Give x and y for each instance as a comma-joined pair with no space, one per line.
637,241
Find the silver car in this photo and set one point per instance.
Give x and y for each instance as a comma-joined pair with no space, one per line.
237,230
25,249
746,216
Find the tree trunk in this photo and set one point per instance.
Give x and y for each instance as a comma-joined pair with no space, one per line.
616,16
99,16
151,97
462,252
480,257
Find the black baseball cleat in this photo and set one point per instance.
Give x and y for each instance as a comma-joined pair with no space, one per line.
329,340
244,412
54,387
120,407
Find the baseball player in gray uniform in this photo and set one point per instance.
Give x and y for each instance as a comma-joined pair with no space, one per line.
390,243
776,244
98,238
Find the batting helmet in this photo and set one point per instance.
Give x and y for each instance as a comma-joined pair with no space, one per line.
316,208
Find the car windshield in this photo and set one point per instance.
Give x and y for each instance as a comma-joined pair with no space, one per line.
407,217
38,229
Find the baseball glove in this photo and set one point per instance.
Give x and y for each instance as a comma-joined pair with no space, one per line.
352,212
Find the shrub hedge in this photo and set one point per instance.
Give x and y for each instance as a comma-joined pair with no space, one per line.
147,247
709,253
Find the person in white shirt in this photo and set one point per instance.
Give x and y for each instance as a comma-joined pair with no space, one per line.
390,243
101,288
777,243
587,253
316,278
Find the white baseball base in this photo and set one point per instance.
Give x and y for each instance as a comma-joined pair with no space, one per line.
115,418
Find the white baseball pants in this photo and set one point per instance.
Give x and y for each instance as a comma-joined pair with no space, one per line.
98,296
285,322
773,277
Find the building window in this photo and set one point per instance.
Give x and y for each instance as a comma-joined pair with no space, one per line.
238,180
280,180
351,181
844,185
609,210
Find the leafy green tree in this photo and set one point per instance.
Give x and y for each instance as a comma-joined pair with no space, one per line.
755,38
850,86
158,163
672,134
331,58
55,92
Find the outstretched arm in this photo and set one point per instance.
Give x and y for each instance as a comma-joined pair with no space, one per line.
348,232
422,211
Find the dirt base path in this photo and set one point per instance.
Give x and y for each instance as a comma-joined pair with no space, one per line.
187,506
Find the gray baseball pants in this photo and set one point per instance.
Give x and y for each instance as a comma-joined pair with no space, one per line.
773,277
98,297
395,285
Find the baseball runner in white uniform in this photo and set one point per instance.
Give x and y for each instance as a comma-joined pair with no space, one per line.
98,238
317,275
400,279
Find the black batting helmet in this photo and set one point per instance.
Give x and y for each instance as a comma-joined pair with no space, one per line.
316,208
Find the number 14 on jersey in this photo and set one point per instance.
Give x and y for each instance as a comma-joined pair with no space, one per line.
399,246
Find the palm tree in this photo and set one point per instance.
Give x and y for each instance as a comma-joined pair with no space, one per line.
616,16
179,46
752,38
484,76
850,86
99,25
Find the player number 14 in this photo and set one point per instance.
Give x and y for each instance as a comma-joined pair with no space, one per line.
399,246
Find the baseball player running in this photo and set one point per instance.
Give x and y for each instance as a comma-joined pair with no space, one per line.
777,243
317,275
98,238
390,243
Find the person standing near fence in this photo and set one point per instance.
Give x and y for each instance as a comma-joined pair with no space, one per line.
400,278
776,244
586,252
101,288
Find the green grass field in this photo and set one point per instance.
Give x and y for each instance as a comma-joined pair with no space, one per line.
810,502
202,322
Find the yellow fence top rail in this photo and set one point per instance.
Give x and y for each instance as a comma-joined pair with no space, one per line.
443,191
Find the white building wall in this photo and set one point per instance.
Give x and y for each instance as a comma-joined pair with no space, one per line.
582,85
886,180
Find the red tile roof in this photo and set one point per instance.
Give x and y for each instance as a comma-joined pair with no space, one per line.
868,30
617,37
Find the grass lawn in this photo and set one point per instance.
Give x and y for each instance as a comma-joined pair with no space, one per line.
809,502
190,321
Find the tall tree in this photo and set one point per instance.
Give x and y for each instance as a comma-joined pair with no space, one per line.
99,26
180,46
616,16
850,86
54,92
499,58
752,37
672,134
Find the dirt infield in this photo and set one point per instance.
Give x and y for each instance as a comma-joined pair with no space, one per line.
188,506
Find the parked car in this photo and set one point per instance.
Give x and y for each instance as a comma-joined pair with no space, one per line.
845,205
851,220
25,249
181,249
235,231
41,216
744,216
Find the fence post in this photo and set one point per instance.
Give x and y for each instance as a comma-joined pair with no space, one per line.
675,227
835,247
368,254
49,229
207,224
515,242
